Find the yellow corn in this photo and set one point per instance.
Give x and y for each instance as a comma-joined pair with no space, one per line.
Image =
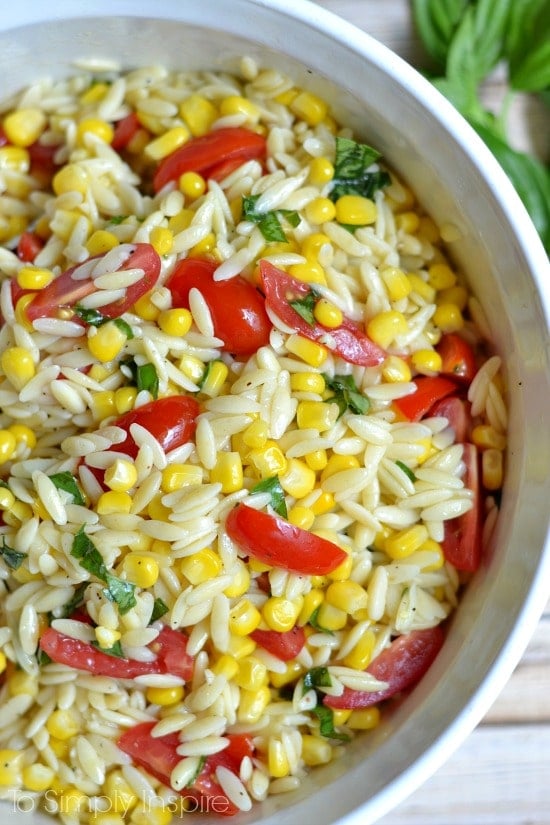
94,94
62,724
307,382
323,504
237,105
309,351
301,516
317,459
114,502
177,223
397,283
361,654
321,171
71,178
448,318
312,244
105,636
176,476
175,322
100,128
8,446
347,595
280,613
73,802
320,210
125,399
316,750
421,287
101,241
141,570
99,372
106,342
228,471
216,375
364,719
23,435
14,159
120,794
192,185
486,437
20,682
310,272
456,295
201,566
18,366
157,510
403,543
164,696
24,126
491,468
298,480
145,308
226,666
408,222
328,314
316,415
330,617
385,327
121,475
167,143
436,551
205,247
244,617
240,646
10,766
441,276
20,311
241,580
339,463
292,672
110,817
426,361
32,277
309,107
268,460
395,370
199,114
192,367
37,777
311,602
252,674
355,210
256,434
103,404
277,760
252,704
162,240
343,571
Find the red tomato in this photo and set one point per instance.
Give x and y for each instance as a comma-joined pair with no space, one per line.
170,420
64,291
158,756
348,340
170,646
456,412
237,308
125,130
462,541
279,543
29,246
42,160
204,153
458,358
428,390
285,646
401,665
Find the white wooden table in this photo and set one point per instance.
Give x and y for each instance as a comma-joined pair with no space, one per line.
501,774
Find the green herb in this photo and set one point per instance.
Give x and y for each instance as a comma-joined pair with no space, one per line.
273,487
124,327
118,591
159,609
115,650
350,170
94,318
346,394
466,39
43,658
147,379
407,470
4,484
326,724
117,219
207,370
305,306
313,621
200,767
316,677
269,223
67,482
76,601
13,558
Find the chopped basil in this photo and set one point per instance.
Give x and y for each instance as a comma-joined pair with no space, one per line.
124,327
117,219
76,601
94,318
347,395
326,724
269,223
200,767
316,677
13,558
273,487
201,382
4,484
305,306
350,170
147,379
43,658
115,650
407,470
118,591
315,624
159,609
67,482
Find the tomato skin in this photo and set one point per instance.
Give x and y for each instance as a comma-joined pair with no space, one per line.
237,308
462,540
284,646
170,646
125,129
428,390
42,159
458,358
401,665
170,420
456,411
279,543
204,153
29,246
349,341
63,291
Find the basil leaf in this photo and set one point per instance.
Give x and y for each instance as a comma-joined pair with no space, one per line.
528,45
206,372
305,306
120,592
315,624
366,187
147,379
407,470
93,317
159,609
273,487
435,22
269,223
67,482
271,229
89,557
316,677
351,177
124,327
326,726
115,650
346,394
478,43
43,658
117,219
13,558
76,601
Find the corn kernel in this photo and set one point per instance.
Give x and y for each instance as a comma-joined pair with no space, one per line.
320,210
148,814
323,503
252,674
310,272
8,447
201,566
14,159
349,596
164,696
10,766
61,749
312,245
309,107
157,510
103,404
110,817
328,314
301,517
403,543
192,185
421,287
492,469
37,777
269,460
240,580
252,704
385,327
408,222
277,760
101,241
315,750
20,311
292,672
309,351
426,361
18,366
237,105
121,475
226,666
395,369
330,617
298,480
205,247
62,724
20,682
228,471
142,571
7,500
94,94
106,637
307,382
456,295
120,794
32,277
316,415
71,178
114,502
100,128
167,143
343,571
317,459
192,367
175,322
485,437
364,719
355,210
214,378
339,463
312,600
125,399
106,342
321,171
145,308
441,276
361,654
436,555
72,802
161,239
280,613
448,318
199,114
256,434
24,126
397,283
240,646
244,617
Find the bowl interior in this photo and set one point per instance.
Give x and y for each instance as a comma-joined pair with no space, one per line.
393,108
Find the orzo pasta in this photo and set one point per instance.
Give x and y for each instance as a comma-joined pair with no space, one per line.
251,441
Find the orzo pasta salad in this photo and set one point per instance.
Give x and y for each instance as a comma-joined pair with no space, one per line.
251,441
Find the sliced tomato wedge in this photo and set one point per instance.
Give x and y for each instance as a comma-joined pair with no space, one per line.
277,542
42,159
30,244
237,308
205,153
401,665
170,647
125,130
66,290
428,390
457,413
458,358
284,646
462,540
348,340
171,420
158,756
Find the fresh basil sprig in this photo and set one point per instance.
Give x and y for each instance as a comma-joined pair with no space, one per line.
351,175
347,394
272,486
67,482
13,558
269,223
89,557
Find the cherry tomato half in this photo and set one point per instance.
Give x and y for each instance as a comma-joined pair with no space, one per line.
170,420
428,390
237,308
284,646
348,340
65,291
458,358
29,246
279,543
462,540
207,152
457,413
401,665
125,129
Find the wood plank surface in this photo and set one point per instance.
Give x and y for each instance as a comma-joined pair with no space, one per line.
501,774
